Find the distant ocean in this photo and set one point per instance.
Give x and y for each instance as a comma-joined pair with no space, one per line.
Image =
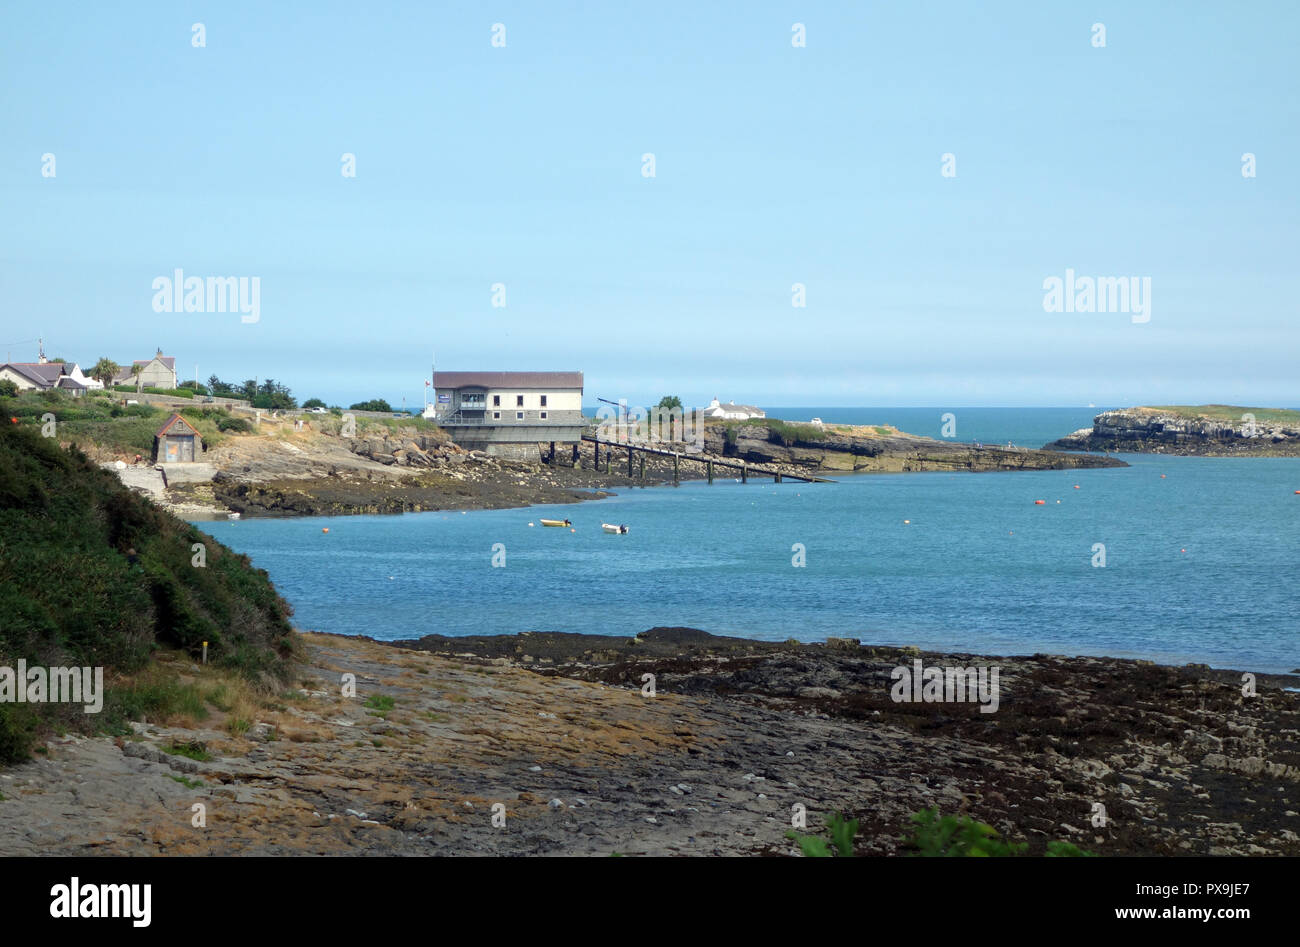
1200,564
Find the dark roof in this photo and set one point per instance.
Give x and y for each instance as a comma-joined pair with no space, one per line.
507,379
45,374
172,420
67,381
168,360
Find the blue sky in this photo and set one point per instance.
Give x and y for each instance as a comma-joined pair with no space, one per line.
775,165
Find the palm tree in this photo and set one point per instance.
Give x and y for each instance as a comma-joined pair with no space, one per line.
104,371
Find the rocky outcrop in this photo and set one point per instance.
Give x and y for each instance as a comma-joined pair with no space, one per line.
559,735
830,449
1216,431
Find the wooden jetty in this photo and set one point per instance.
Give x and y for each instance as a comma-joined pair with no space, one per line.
747,470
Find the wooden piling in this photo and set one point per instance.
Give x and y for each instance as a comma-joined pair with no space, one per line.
708,465
643,465
677,463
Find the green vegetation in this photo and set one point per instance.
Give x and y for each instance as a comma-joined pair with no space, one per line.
949,836
379,704
93,575
843,831
269,394
193,750
1230,413
186,781
785,432
7,388
313,403
934,836
169,392
126,429
374,404
104,370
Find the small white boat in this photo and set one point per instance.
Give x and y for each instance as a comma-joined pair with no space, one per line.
611,528
232,516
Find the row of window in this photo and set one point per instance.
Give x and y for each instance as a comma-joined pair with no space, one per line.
519,415
467,401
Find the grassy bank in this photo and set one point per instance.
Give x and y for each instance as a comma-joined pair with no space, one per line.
93,575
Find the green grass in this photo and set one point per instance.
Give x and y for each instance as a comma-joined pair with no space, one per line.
1228,412
99,420
380,704
784,431
193,750
186,781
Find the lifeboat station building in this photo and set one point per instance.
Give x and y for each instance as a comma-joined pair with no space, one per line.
508,414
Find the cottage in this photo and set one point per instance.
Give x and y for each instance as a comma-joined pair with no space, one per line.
732,411
508,413
177,442
156,372
45,376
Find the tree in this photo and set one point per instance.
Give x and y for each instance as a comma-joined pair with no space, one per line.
375,404
8,389
313,403
104,370
667,405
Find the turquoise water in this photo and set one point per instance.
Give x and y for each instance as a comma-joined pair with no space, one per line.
979,568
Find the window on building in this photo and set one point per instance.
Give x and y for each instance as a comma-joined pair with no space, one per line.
519,401
519,415
543,401
496,415
496,401
543,415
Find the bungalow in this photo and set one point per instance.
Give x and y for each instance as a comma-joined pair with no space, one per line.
45,376
732,411
156,372
177,442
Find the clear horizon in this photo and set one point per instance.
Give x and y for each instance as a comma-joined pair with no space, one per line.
517,174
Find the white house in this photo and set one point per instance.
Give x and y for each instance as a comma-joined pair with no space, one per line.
44,376
508,413
156,372
732,411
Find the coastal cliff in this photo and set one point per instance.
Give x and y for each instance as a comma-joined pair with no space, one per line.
1204,430
857,449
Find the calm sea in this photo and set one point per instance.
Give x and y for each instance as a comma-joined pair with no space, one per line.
1200,563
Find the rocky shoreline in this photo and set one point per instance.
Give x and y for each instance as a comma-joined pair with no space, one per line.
556,736
1216,431
318,474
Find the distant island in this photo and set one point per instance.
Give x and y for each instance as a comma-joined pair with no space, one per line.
1210,430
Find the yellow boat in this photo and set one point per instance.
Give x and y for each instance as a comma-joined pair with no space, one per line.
556,523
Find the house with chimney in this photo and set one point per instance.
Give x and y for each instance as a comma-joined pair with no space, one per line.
156,372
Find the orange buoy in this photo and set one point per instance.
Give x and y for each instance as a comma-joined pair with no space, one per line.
325,529
1040,503
1076,486
1297,493
1162,476
573,530
1182,550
